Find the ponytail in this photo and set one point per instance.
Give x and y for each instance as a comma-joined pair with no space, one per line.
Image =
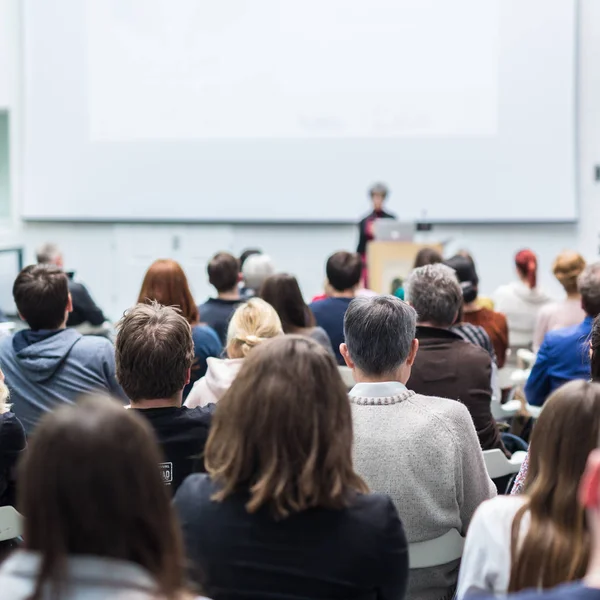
526,263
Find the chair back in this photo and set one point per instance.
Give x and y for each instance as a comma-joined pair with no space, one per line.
498,465
11,523
347,377
439,551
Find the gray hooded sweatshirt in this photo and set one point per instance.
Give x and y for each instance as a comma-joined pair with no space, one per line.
45,369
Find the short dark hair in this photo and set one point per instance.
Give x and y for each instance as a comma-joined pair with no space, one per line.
223,271
247,254
41,293
427,256
589,288
344,270
153,352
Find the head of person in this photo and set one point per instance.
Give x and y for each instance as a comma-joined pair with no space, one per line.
378,194
427,256
251,324
283,293
567,267
556,545
224,272
436,295
298,455
380,338
154,352
256,269
165,282
467,276
526,263
49,254
344,271
96,467
588,284
41,294
246,254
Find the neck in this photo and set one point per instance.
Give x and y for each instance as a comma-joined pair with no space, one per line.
175,401
233,294
574,296
471,306
430,324
342,294
402,375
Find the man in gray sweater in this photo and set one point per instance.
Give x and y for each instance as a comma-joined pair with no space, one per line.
421,451
48,364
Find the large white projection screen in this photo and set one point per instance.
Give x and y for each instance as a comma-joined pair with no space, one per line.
263,110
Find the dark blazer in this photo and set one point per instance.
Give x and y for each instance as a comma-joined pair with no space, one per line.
85,309
358,552
448,367
362,228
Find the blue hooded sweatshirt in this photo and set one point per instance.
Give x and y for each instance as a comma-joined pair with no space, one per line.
45,369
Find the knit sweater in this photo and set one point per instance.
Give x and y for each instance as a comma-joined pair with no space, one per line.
424,453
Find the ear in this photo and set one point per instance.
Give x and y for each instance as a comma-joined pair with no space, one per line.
188,376
346,355
414,348
589,487
70,304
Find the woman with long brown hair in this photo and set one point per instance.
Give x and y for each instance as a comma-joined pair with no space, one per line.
539,539
165,282
282,513
98,519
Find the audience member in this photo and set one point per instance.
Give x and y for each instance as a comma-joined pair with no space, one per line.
154,355
165,282
48,364
539,539
344,270
521,302
246,254
279,458
255,271
12,444
447,366
482,301
98,521
556,315
283,293
252,323
563,355
422,451
427,256
224,275
493,322
85,309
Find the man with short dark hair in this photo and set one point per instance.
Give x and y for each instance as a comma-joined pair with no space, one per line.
48,364
344,271
224,275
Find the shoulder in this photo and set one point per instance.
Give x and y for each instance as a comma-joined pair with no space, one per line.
449,414
76,286
200,415
474,352
93,343
565,334
499,509
375,511
205,333
195,491
12,434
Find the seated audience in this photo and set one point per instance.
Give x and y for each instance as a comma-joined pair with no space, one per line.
12,444
256,269
539,539
563,355
521,302
283,293
556,315
98,521
48,364
344,271
482,301
423,452
244,256
224,275
447,366
85,309
427,256
493,322
252,323
165,282
282,513
154,354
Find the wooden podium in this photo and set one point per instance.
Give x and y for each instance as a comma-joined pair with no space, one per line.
387,261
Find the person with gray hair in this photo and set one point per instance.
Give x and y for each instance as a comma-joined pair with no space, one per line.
421,451
564,353
447,366
256,269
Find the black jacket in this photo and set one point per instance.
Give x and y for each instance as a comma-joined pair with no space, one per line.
85,309
362,228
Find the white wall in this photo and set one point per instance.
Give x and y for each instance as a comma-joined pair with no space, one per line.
111,258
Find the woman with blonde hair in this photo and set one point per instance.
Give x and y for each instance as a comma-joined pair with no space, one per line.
567,267
539,539
282,512
251,324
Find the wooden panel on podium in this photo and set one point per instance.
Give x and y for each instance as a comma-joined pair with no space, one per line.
387,261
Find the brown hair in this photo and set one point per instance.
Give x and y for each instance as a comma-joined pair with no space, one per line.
595,347
165,282
283,293
567,267
90,484
154,351
344,270
283,431
223,271
556,546
41,293
427,256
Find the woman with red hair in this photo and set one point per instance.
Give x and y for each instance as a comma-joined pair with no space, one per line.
521,301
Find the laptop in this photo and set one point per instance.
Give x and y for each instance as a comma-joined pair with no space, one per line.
390,230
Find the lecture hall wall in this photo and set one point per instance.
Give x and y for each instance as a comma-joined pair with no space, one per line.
111,258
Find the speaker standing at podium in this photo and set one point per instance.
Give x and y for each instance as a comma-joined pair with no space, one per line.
378,193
